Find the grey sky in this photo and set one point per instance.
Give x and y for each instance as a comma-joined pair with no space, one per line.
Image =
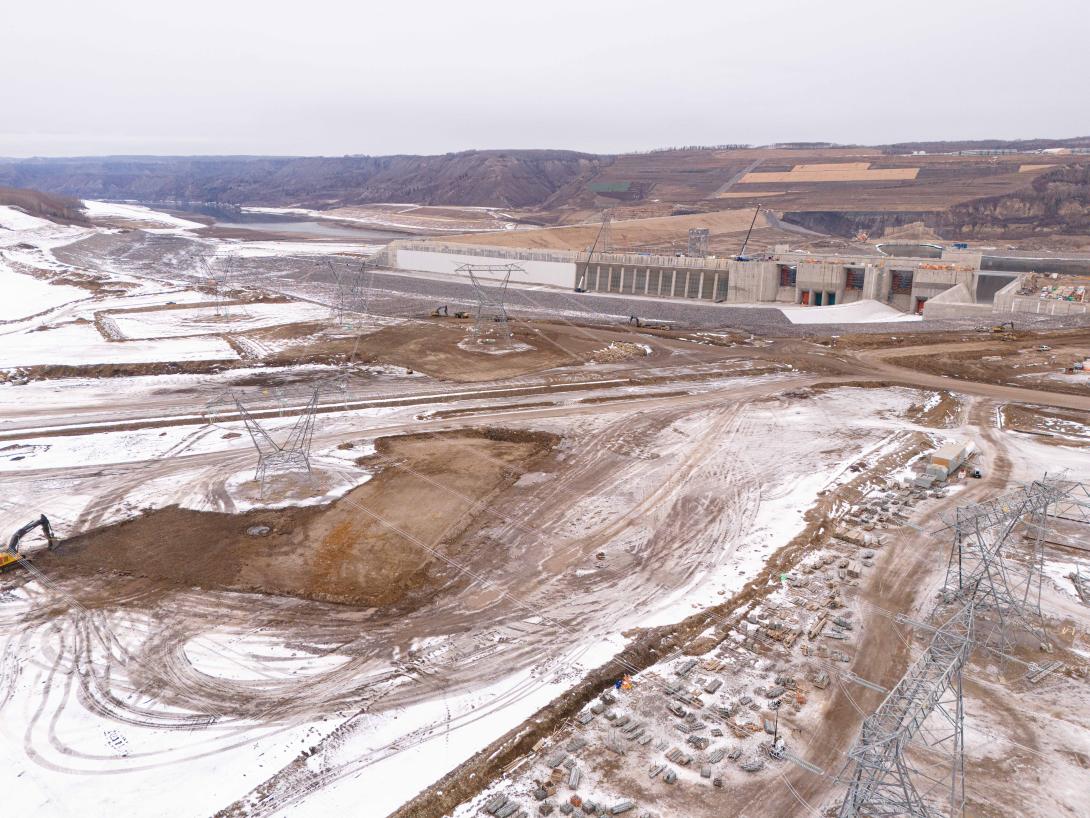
322,77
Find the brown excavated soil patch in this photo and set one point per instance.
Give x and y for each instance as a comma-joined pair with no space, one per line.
625,233
381,544
1008,365
942,414
1001,341
433,348
1059,427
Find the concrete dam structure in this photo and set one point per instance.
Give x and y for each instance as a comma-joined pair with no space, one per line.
954,285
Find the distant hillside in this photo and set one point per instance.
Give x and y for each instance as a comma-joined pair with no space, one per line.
1057,202
835,189
487,178
1021,145
60,209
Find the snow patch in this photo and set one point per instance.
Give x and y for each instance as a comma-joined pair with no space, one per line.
867,311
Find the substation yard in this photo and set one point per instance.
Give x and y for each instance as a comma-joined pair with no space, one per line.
434,623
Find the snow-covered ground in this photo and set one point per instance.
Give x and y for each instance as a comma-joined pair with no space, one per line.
722,488
204,321
858,312
25,295
138,214
81,344
43,323
65,731
17,227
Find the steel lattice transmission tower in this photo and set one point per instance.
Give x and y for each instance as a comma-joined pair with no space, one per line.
350,297
293,455
491,320
988,564
217,275
1074,506
909,759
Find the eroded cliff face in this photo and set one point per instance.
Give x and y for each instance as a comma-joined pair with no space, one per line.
1056,203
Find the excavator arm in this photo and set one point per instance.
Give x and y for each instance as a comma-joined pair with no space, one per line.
12,555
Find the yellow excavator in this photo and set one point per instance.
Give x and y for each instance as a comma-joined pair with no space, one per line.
11,557
1006,327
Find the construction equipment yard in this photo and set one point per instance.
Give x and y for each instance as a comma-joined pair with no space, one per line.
332,537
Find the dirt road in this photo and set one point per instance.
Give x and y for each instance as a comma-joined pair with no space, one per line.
883,363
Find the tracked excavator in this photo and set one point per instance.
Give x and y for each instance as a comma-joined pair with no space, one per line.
11,556
443,311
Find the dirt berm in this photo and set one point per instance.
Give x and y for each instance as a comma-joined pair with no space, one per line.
381,544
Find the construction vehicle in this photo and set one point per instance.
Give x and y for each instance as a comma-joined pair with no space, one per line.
1006,326
443,311
645,324
11,556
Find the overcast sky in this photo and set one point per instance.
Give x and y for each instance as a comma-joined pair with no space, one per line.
332,78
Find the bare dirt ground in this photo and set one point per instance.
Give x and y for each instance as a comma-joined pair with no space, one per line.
636,233
351,551
1016,363
448,349
1062,427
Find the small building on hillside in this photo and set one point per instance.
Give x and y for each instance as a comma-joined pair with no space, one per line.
947,459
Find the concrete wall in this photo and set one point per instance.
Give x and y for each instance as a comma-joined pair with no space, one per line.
966,258
727,280
930,283
876,283
1037,306
955,302
821,278
1008,300
786,295
612,275
753,281
554,273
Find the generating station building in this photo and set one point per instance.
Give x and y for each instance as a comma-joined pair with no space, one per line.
956,284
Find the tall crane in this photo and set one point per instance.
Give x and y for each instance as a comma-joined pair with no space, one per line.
742,253
607,217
